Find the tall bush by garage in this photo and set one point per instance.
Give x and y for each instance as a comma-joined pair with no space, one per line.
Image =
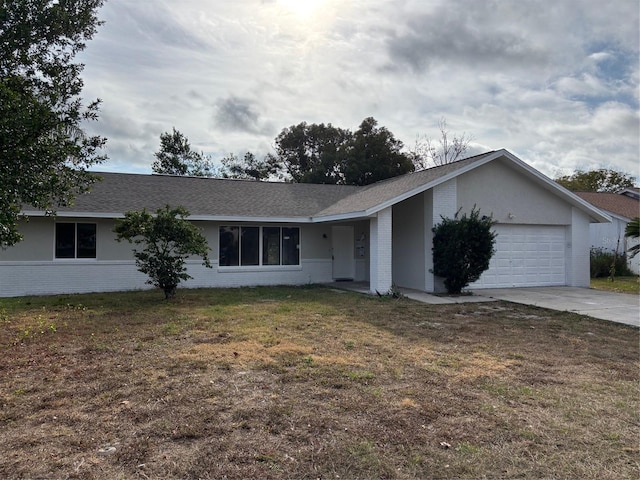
462,249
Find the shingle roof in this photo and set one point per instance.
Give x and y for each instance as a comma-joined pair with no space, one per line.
211,199
615,203
386,190
119,192
633,192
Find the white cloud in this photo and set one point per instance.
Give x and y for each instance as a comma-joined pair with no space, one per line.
556,83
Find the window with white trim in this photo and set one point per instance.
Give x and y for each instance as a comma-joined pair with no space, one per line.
75,240
255,246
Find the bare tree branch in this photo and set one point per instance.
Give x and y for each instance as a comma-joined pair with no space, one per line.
429,152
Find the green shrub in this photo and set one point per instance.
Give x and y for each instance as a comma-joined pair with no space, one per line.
602,260
168,239
462,249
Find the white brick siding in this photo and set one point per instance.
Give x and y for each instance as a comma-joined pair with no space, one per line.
45,278
381,251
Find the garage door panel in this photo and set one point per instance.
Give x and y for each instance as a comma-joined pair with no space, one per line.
526,256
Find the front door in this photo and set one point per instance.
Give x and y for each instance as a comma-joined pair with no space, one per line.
342,253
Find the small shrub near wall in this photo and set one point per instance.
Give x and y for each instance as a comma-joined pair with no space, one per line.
601,261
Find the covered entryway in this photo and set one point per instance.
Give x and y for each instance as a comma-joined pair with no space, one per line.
526,256
342,253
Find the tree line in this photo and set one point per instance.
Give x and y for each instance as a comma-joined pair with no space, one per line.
317,153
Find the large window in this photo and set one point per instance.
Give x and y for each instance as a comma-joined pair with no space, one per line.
250,246
75,240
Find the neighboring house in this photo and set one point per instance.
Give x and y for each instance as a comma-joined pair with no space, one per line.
622,207
263,233
633,192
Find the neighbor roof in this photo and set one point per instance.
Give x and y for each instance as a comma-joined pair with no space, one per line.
633,192
616,203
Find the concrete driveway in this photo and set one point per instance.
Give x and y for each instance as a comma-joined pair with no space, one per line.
615,307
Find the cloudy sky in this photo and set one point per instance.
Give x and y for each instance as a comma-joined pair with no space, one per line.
554,82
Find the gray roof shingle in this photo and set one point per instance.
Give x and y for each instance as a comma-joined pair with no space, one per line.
119,192
211,197
386,190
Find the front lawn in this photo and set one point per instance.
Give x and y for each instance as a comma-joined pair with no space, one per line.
309,383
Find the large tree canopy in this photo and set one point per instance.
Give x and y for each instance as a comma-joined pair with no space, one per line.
319,153
313,153
175,157
374,154
602,180
44,153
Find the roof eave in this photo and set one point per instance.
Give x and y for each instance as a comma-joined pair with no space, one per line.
211,218
68,214
340,217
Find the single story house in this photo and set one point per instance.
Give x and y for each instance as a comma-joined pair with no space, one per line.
622,207
268,233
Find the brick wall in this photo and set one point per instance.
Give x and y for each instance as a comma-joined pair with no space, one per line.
44,278
381,251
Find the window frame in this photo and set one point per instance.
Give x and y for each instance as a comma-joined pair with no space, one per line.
76,242
261,266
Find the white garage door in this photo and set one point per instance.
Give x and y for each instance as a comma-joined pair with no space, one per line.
526,256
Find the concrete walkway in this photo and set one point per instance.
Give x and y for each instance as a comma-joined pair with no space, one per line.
611,306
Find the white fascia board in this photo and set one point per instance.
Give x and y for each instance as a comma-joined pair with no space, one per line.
42,213
633,193
240,219
212,218
615,216
340,217
597,215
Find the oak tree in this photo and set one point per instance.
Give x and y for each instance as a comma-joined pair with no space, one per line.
319,153
312,153
44,151
374,154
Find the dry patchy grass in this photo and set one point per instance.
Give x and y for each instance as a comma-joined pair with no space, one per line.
311,383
